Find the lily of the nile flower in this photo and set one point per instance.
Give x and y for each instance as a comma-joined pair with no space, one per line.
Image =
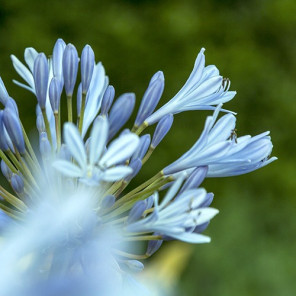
97,165
177,218
203,90
225,156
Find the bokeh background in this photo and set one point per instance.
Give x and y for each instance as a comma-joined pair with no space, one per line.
254,44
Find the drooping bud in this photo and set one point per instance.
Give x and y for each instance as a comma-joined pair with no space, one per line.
107,100
17,183
70,68
14,130
121,112
143,147
55,91
6,171
57,60
195,178
162,129
44,145
137,211
41,78
87,67
136,165
153,246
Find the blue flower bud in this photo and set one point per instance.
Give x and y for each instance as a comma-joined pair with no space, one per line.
153,246
6,171
200,228
79,99
208,200
149,202
137,211
44,145
3,92
10,103
108,201
17,183
14,130
55,91
87,67
136,165
120,113
40,123
41,78
195,178
70,68
107,100
150,98
3,139
162,129
57,60
143,147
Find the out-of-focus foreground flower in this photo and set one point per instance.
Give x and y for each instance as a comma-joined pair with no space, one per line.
71,225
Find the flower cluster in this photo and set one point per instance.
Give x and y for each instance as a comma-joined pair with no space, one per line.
87,152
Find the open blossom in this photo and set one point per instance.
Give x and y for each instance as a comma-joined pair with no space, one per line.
225,155
70,211
204,89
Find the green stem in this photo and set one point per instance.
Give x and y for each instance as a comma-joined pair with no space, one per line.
130,256
69,108
28,144
8,162
58,129
143,238
82,112
148,154
47,127
13,200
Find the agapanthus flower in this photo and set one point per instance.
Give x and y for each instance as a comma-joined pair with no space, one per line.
71,212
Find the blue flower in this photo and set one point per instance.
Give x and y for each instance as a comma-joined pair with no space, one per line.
203,90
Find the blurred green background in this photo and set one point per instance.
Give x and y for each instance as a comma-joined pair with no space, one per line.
254,44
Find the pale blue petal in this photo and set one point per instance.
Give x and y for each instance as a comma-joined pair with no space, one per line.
25,86
120,150
22,71
74,144
98,139
67,168
30,56
98,85
116,173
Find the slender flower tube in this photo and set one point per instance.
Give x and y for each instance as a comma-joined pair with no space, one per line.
41,79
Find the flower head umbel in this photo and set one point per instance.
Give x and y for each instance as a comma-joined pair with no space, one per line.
75,187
